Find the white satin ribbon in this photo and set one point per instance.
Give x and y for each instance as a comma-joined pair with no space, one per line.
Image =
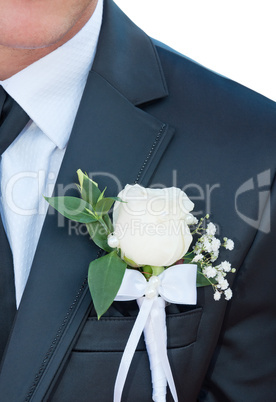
177,285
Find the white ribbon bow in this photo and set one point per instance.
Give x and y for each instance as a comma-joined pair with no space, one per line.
177,285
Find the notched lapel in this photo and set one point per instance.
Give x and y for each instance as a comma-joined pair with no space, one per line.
113,139
127,58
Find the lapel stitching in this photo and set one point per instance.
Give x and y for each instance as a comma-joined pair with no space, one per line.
155,143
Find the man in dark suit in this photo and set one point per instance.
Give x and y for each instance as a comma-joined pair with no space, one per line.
151,116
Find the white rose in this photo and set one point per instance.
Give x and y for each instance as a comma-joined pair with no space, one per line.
151,225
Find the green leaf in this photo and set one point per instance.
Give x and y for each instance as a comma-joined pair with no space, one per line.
99,235
72,208
118,199
102,195
202,281
188,257
103,206
108,223
105,276
88,188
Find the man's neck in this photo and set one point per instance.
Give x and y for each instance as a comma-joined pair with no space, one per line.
13,60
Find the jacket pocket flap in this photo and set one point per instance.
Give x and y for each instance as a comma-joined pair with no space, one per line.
111,333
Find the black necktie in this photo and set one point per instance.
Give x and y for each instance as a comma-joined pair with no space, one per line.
12,121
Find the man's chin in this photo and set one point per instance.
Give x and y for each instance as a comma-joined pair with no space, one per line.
32,42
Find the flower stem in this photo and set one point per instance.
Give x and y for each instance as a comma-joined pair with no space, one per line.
157,270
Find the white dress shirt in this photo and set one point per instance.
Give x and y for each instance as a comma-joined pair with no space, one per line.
50,91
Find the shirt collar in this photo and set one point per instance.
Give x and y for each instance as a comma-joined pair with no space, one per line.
50,89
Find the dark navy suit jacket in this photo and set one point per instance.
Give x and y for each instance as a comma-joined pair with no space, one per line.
152,116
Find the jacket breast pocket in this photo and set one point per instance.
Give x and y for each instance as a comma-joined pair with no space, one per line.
91,370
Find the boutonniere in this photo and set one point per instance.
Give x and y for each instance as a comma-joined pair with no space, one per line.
148,258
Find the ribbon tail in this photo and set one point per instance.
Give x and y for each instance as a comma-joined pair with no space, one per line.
146,305
155,334
158,318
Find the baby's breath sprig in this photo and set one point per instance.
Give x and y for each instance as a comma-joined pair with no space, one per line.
206,252
199,228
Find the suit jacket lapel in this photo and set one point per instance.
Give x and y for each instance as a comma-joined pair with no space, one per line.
138,77
121,144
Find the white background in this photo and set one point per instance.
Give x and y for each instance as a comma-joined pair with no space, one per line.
236,38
